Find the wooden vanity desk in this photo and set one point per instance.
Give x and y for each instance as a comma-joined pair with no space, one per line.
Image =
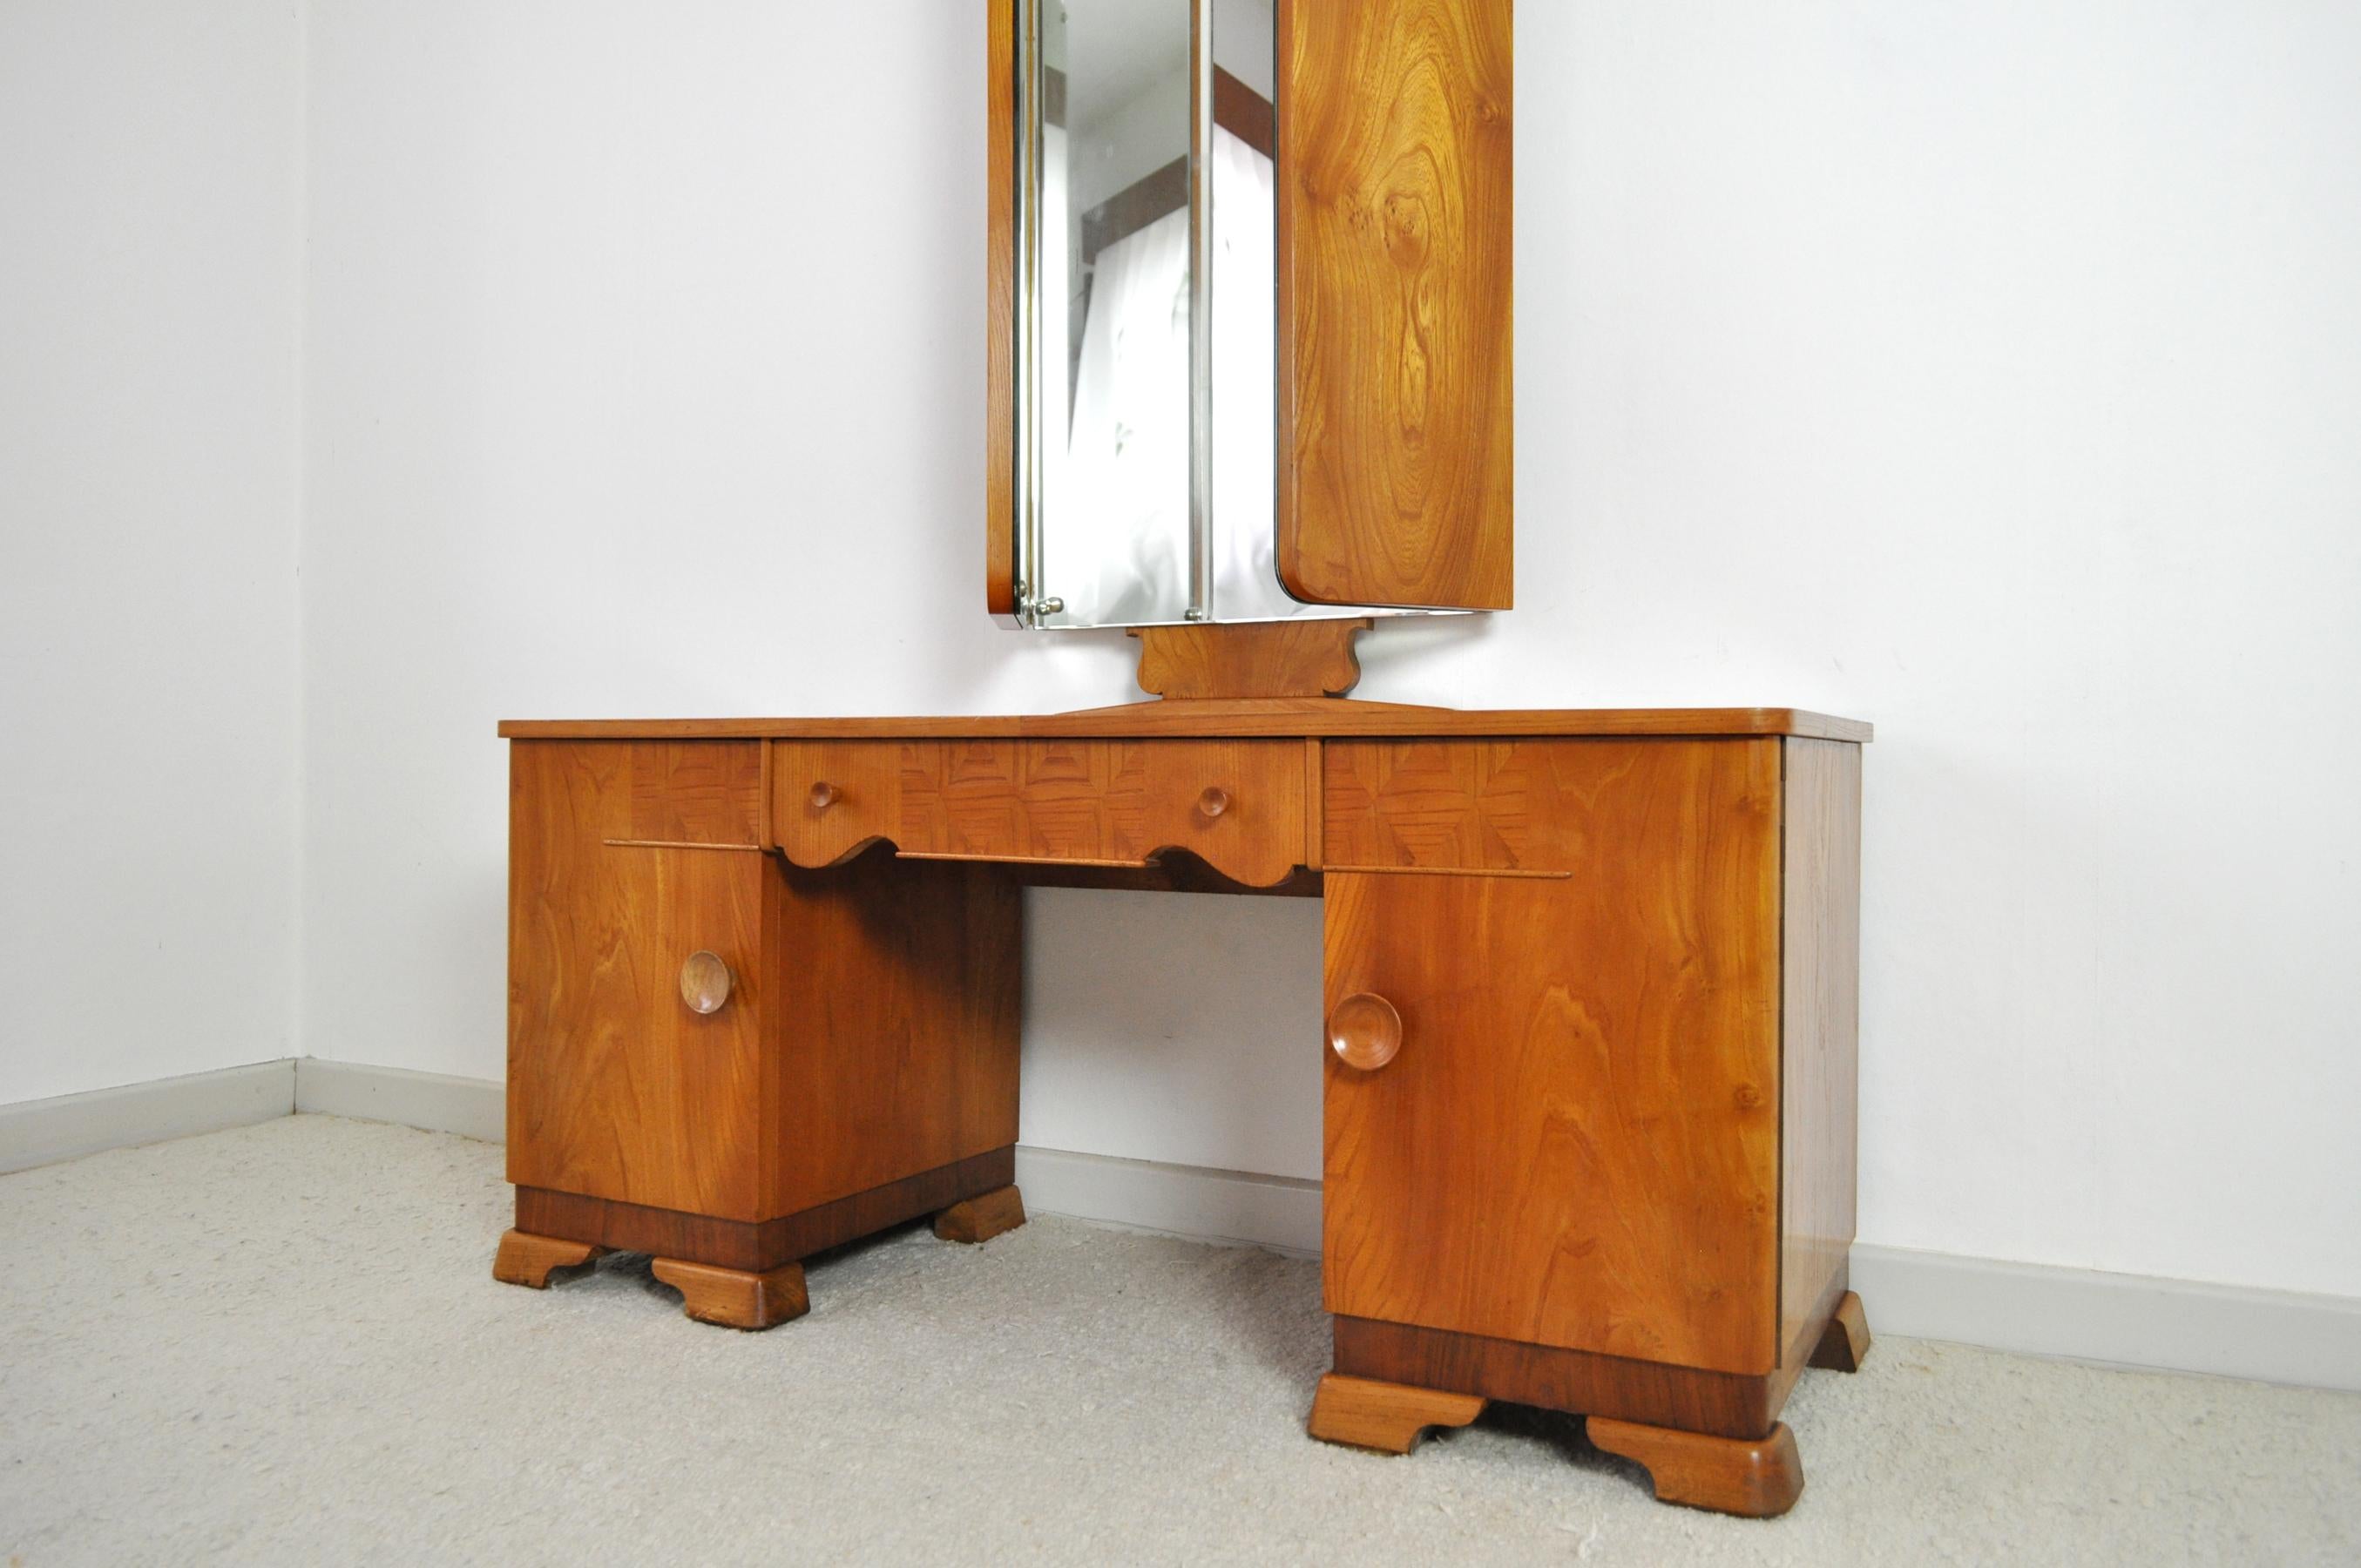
1590,977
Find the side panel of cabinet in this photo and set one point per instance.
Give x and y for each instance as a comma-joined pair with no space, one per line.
1577,1144
1820,1013
616,1088
1396,423
894,992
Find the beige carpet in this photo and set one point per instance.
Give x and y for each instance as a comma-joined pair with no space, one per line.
283,1344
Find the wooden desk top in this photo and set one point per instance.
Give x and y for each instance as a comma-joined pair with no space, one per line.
1301,716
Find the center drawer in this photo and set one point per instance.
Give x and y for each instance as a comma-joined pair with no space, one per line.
1238,805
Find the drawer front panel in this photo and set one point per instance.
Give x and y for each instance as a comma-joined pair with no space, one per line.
1517,805
1577,1142
834,798
693,792
1239,805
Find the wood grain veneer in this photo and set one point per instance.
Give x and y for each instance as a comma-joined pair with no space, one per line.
1290,716
1395,243
1577,1143
615,1087
1287,658
1507,806
895,994
1238,806
832,800
684,793
1818,1024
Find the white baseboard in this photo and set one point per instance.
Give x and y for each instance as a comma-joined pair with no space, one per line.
2124,1320
42,1132
2178,1325
2084,1314
472,1107
1277,1212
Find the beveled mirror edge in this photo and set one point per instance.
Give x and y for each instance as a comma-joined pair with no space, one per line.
1025,174
1201,311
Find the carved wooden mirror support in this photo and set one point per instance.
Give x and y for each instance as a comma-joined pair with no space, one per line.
1285,658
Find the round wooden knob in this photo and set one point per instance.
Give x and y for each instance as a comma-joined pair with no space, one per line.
1365,1031
824,794
705,982
1214,802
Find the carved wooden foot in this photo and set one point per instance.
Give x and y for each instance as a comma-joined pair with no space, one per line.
733,1297
1760,1479
982,1218
529,1260
1845,1341
1361,1412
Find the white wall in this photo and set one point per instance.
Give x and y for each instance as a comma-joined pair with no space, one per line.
1992,372
149,267
1989,371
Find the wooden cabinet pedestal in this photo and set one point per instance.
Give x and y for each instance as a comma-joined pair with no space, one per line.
722,1059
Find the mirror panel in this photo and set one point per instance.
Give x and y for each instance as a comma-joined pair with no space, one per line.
1147,339
1108,443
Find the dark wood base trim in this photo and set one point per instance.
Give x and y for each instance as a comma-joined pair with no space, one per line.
1583,1383
1725,1404
759,1247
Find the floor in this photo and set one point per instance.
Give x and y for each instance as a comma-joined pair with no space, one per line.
283,1343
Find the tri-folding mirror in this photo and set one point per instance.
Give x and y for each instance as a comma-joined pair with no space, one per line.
1250,292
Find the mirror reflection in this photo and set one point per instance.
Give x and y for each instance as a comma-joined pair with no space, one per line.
1148,458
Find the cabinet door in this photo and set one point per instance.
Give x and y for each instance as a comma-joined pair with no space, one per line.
1577,1142
1395,241
617,1088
